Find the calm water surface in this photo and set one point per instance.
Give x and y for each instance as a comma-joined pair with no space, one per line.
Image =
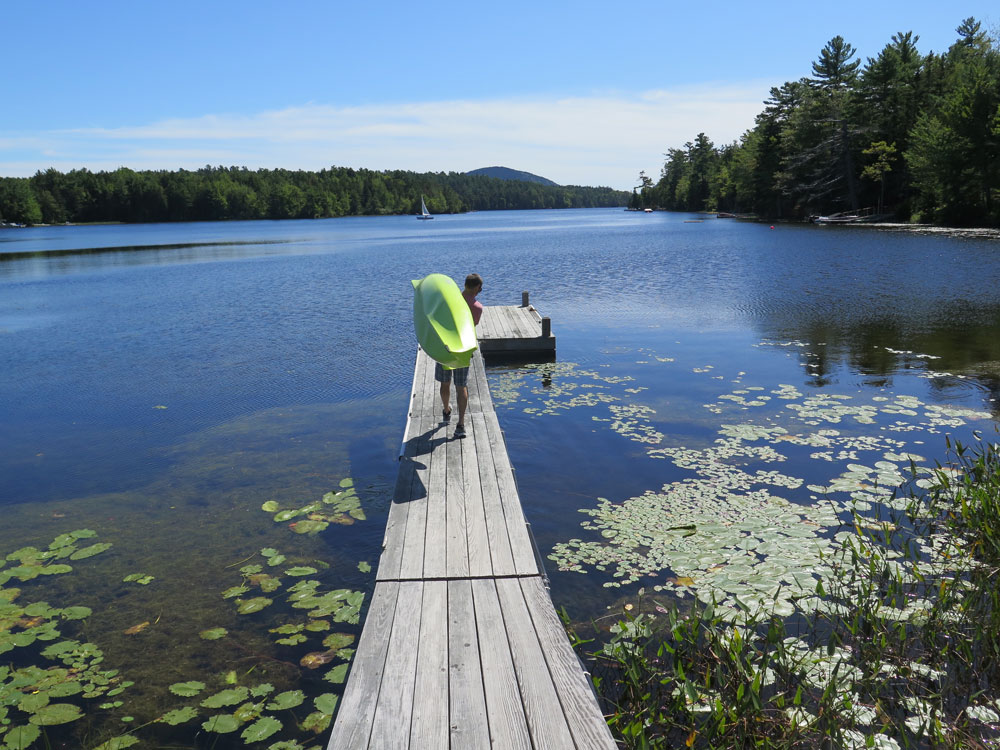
161,382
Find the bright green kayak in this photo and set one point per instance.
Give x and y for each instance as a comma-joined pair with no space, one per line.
443,321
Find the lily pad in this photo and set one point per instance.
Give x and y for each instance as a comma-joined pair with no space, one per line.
65,689
32,702
213,634
300,570
247,712
179,716
261,729
75,613
140,578
308,527
56,713
326,703
249,606
187,689
316,722
118,743
235,591
287,629
337,675
20,738
270,506
288,699
228,697
221,724
267,583
338,640
261,690
53,570
93,549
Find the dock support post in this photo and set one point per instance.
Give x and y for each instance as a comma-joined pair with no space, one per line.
546,327
524,299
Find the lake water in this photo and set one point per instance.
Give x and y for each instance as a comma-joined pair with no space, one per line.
720,389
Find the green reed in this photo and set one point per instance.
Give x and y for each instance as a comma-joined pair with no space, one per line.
899,649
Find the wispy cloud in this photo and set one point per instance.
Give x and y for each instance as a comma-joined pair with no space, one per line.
601,139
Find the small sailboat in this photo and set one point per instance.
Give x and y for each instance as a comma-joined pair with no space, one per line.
423,210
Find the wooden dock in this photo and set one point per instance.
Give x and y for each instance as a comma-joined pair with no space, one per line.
514,330
461,646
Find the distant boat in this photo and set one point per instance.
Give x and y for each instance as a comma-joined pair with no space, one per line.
838,219
423,210
647,210
852,217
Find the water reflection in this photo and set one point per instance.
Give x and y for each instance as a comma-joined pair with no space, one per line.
43,263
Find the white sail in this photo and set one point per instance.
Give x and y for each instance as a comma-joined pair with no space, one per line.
423,210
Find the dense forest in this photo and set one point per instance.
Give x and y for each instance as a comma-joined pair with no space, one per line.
216,193
911,136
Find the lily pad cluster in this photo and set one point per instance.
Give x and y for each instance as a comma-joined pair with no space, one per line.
323,610
737,531
250,711
52,676
68,672
560,386
29,563
341,506
253,711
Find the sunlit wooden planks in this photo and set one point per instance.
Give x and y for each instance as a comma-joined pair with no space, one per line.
471,663
455,512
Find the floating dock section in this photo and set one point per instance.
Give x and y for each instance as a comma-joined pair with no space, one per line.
461,647
518,331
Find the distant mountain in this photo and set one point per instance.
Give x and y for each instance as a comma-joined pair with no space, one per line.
504,173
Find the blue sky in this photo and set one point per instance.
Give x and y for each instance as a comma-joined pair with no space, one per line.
580,92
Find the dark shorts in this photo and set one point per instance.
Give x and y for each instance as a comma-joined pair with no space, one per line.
460,375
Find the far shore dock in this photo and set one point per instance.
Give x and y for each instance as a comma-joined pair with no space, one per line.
462,647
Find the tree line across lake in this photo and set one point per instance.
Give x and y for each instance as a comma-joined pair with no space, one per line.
909,135
218,193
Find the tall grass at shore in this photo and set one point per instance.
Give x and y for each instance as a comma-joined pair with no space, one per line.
899,648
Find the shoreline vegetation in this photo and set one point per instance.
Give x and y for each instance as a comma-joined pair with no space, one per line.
237,193
907,136
899,648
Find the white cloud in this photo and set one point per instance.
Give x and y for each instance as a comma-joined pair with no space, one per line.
603,139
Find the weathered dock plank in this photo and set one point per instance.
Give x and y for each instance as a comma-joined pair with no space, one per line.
508,724
394,706
429,725
572,684
468,722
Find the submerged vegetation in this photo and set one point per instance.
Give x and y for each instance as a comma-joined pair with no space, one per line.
270,680
219,193
907,134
